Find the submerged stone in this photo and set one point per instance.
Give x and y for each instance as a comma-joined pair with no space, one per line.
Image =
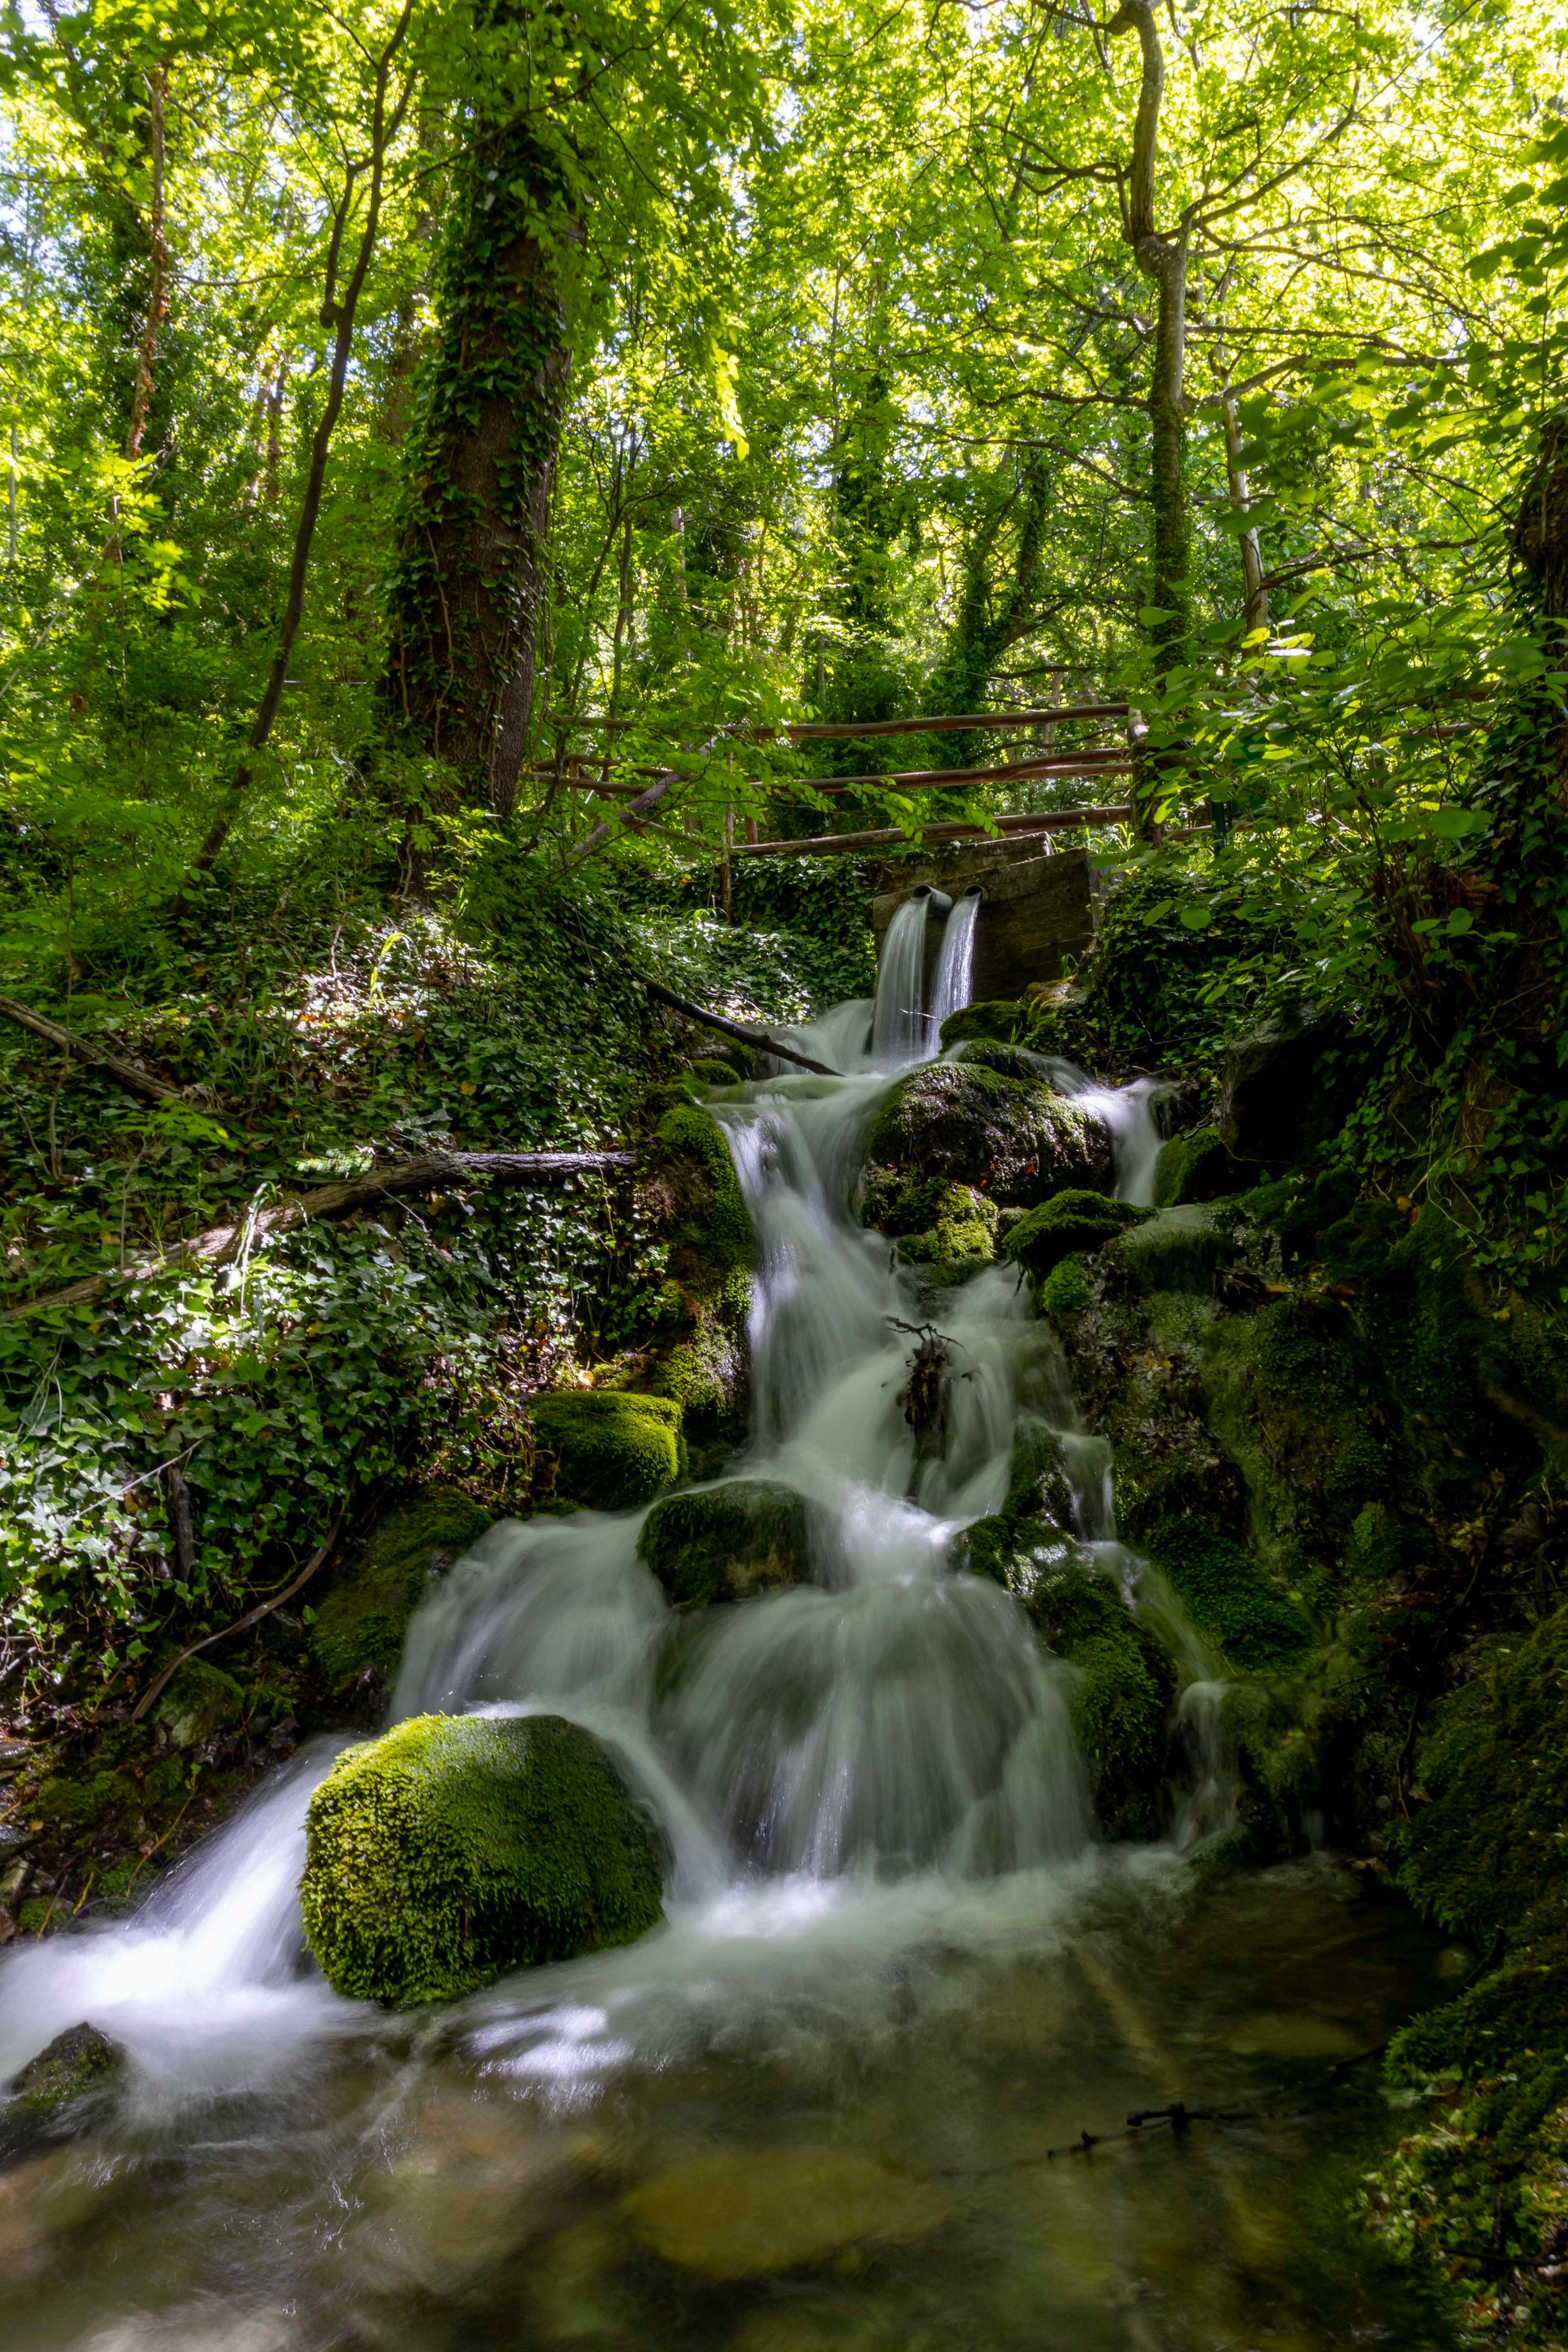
727,1543
613,1449
1016,1138
750,2213
69,2088
459,1847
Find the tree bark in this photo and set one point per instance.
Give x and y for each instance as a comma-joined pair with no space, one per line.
468,590
1254,592
130,1075
1163,259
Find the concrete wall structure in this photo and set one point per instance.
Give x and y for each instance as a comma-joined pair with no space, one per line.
1039,909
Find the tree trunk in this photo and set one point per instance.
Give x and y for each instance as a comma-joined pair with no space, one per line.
470,586
1163,259
1254,594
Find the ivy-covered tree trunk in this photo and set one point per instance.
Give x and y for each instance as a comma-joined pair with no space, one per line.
468,589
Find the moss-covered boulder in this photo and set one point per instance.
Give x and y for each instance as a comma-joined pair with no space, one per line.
459,1847
611,1449
1175,1249
692,1186
1197,1166
932,1223
1002,1020
1016,1139
710,1071
1073,1224
201,1703
361,1620
727,1543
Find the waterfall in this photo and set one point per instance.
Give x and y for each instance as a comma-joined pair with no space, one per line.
900,1023
886,1723
952,986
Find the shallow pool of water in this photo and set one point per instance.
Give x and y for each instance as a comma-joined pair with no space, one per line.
800,2120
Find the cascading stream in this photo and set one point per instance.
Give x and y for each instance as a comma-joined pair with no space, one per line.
889,1721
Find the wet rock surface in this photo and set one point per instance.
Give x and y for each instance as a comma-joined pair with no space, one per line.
728,1543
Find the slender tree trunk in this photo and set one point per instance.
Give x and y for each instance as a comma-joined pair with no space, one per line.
340,309
1254,594
468,591
142,386
1163,259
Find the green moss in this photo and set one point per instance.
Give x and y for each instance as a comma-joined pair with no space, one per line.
612,1448
1014,1139
1075,1223
199,1704
81,2065
1195,1167
361,1621
1225,1595
1175,1249
1003,1019
961,1234
1283,1398
1065,1290
725,1543
68,1803
714,1072
709,1217
456,1848
1481,2184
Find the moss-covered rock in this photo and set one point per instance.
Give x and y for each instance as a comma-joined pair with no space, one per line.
361,1620
711,1072
456,1848
65,2089
1002,1020
611,1449
1478,2190
1260,1629
200,1704
1195,1167
727,1543
1175,1249
1073,1224
1016,1139
1065,1290
933,1223
698,1358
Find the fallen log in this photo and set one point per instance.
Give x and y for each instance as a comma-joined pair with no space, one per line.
430,1173
827,845
740,1031
129,1074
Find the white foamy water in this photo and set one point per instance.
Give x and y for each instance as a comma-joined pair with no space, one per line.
882,1755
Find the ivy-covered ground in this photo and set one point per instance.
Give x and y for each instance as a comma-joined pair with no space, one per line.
284,1399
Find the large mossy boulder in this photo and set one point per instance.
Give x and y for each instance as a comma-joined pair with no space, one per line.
361,1621
1072,1224
727,1543
950,1228
613,1449
1286,1088
456,1848
1016,1139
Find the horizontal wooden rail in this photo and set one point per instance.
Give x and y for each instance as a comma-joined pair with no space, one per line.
1111,761
823,730
827,844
